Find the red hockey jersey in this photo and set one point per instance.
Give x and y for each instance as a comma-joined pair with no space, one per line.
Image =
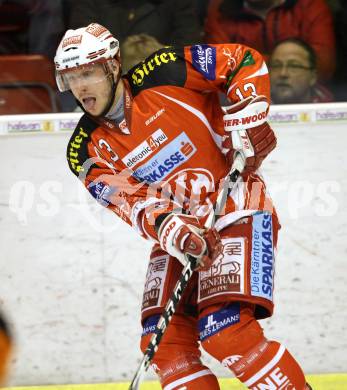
167,154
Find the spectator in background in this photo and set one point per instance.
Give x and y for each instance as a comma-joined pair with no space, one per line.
339,81
136,48
170,22
293,74
30,26
262,23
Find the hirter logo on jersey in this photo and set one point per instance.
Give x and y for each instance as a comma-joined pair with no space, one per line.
204,60
156,62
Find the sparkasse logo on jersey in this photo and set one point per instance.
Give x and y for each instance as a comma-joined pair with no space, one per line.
145,149
166,160
145,68
262,260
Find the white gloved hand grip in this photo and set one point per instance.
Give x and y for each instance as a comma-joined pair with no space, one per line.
242,143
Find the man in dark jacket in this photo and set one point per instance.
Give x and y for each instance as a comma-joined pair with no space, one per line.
170,22
293,74
262,23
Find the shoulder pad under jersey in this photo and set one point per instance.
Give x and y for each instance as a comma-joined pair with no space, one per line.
166,66
77,148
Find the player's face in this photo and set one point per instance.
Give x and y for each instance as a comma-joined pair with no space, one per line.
291,74
91,86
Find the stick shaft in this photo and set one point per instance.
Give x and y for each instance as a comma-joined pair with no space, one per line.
186,274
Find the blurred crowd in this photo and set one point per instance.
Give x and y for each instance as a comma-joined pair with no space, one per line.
301,40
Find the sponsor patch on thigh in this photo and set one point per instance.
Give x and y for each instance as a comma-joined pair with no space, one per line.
150,325
262,257
219,320
226,275
155,280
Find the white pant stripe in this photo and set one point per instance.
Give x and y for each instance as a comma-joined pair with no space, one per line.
266,368
188,378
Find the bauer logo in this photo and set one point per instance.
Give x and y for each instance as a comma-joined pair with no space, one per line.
166,160
262,260
204,60
145,149
215,322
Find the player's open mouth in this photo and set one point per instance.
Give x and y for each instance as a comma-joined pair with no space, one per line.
89,103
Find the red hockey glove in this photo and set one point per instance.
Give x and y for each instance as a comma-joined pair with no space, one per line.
181,235
249,132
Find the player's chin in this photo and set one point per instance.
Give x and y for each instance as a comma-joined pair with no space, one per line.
96,110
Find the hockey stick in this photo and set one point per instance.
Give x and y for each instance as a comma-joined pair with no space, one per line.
186,274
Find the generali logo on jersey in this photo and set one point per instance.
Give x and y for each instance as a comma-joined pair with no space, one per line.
145,149
144,69
226,274
154,285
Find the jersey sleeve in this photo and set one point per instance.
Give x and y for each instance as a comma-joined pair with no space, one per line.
137,203
236,70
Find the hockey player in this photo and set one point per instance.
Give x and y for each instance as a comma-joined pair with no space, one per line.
153,147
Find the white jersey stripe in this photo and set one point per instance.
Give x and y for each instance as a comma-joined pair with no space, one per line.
216,137
261,72
266,368
188,378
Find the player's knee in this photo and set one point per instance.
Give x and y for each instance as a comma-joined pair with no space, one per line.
269,365
238,342
180,369
177,362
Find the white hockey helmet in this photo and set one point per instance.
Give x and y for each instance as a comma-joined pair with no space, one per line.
85,46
